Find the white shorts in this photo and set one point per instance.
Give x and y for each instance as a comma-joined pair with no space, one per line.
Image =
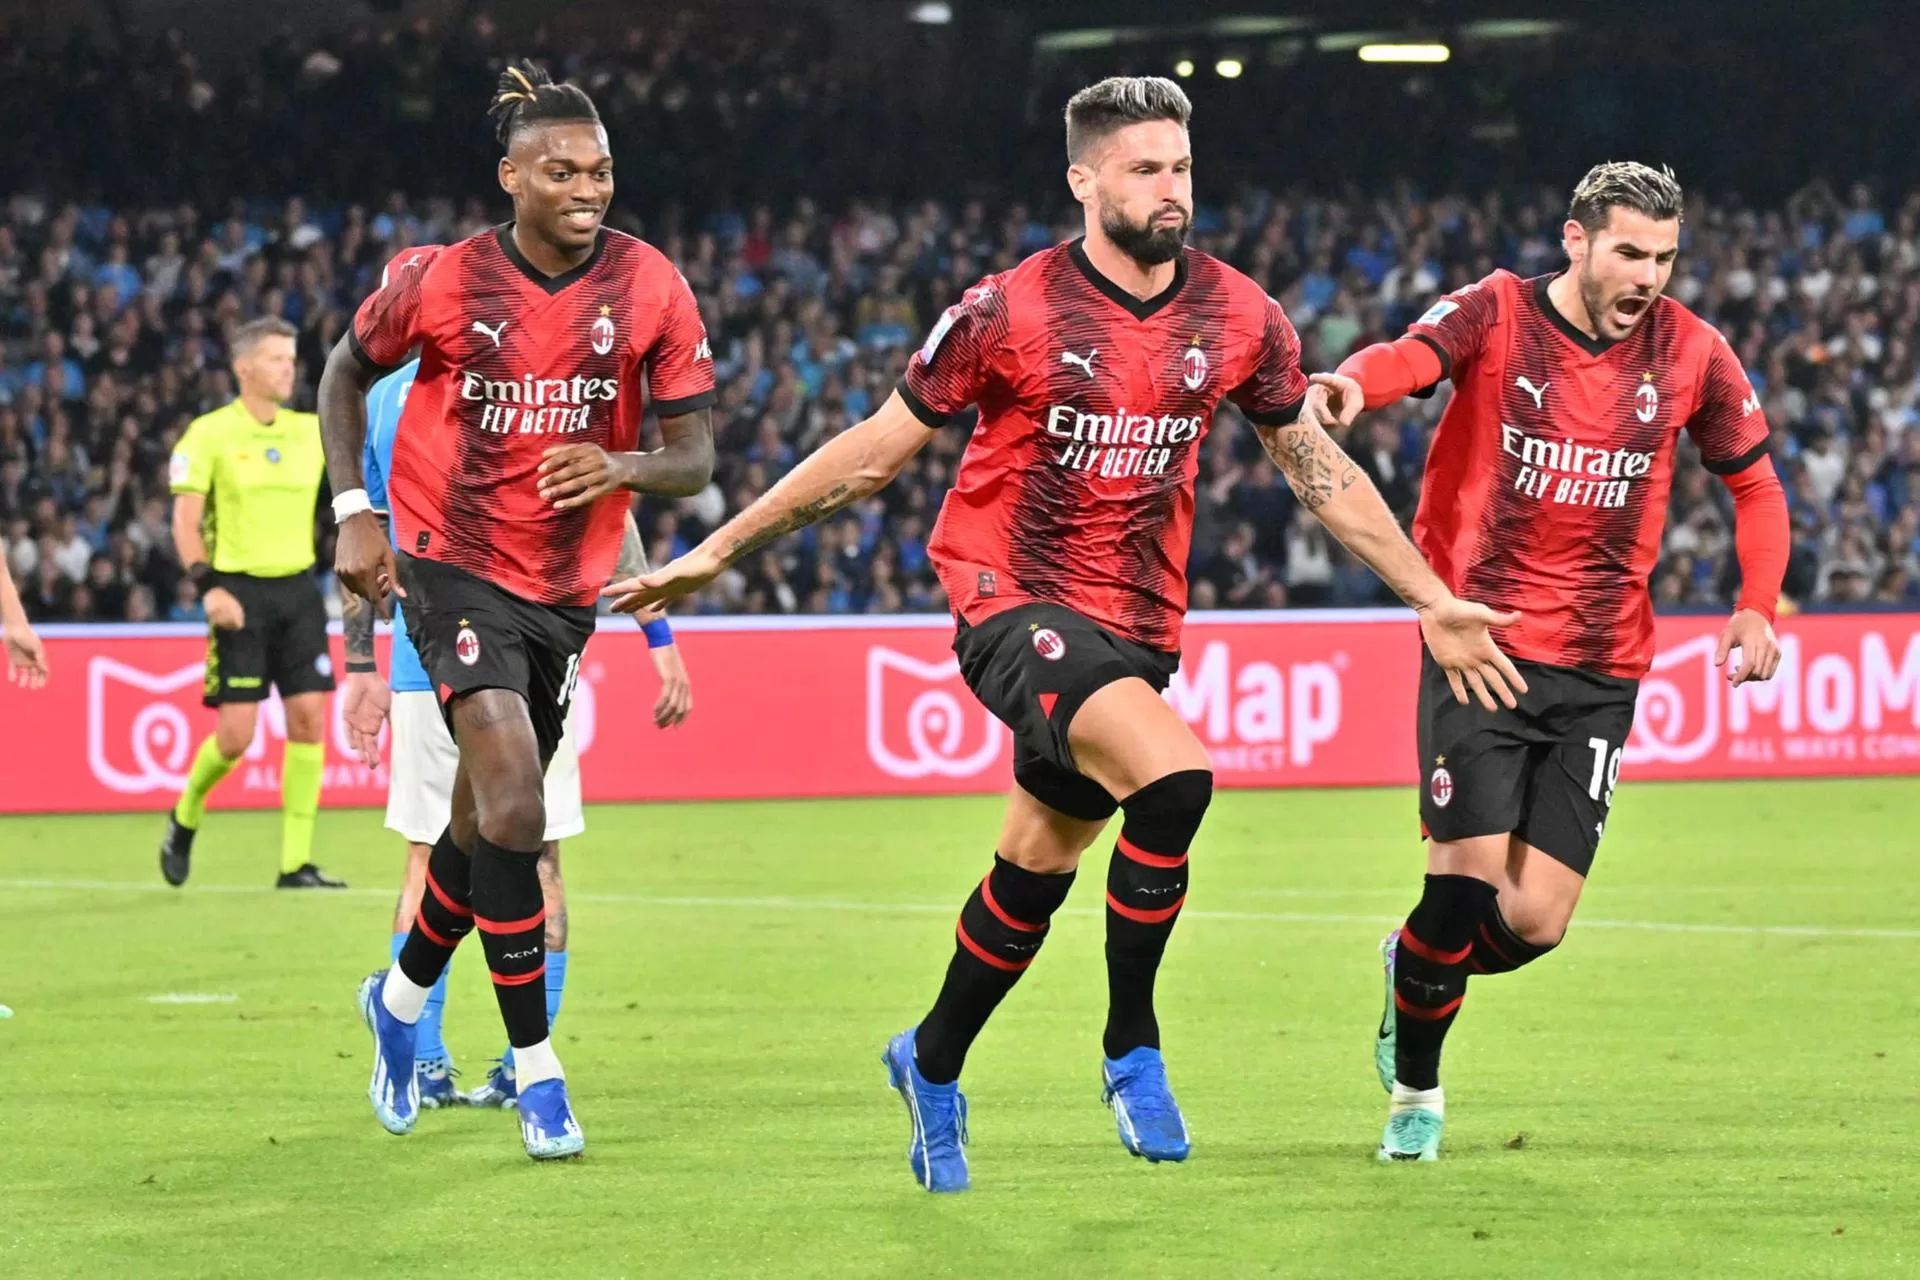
423,761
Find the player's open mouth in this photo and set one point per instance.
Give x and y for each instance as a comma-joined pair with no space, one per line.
1629,308
582,217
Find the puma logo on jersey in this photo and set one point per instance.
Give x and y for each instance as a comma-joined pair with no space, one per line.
493,333
1085,362
1750,404
1536,392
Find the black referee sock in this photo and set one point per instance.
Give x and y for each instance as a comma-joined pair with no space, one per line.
511,913
1000,931
445,915
1498,949
1430,972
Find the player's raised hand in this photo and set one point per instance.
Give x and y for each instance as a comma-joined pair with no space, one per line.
573,475
1458,635
1345,399
26,656
363,561
684,576
368,700
1750,633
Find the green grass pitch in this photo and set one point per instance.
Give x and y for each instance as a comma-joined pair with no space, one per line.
1715,1076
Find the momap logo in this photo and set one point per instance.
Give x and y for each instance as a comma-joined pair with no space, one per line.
917,722
1119,444
1577,475
536,406
1859,704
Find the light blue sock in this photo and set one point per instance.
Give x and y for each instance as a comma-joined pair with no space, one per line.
427,1046
556,987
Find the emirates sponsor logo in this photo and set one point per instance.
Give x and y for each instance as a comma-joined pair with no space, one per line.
536,406
1571,474
1119,444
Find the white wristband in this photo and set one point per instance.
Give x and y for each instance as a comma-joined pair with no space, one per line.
350,503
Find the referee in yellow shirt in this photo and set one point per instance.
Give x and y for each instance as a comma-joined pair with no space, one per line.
246,482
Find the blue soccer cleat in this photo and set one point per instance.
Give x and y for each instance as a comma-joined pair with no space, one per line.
547,1126
435,1077
1413,1134
394,1089
937,1153
1385,1038
1144,1111
497,1090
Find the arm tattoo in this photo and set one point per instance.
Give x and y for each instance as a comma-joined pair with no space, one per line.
1316,468
798,518
356,618
633,553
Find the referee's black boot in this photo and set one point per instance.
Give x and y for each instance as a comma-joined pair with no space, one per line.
176,852
308,877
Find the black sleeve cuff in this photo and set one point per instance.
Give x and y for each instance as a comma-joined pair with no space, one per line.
1446,361
366,361
1285,416
687,404
920,408
1734,466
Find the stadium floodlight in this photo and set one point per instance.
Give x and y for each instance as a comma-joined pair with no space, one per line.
1404,53
1183,68
1229,68
933,13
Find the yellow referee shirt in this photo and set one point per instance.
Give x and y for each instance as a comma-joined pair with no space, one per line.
262,482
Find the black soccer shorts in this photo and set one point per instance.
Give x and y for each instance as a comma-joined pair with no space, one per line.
1545,772
1033,667
283,644
473,635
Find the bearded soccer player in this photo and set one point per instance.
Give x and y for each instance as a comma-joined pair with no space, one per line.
509,491
1097,366
1546,492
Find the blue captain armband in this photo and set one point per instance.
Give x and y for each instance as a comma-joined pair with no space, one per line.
659,633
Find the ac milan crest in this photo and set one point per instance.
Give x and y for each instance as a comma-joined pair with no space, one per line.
1442,787
602,334
1048,644
1193,368
1646,400
466,646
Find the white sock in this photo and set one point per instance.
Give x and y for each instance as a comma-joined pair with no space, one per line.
403,998
535,1063
1405,1099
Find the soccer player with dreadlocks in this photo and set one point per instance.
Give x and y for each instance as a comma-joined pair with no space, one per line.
508,491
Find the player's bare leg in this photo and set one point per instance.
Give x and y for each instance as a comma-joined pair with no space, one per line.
1538,894
302,770
233,731
1126,738
1427,963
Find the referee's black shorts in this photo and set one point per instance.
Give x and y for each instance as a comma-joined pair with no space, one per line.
282,645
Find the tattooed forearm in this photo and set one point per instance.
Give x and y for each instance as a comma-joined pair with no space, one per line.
1316,468
798,517
633,553
356,623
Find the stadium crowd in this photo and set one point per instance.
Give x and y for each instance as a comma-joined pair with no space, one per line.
114,315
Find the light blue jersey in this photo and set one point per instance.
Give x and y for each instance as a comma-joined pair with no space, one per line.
384,403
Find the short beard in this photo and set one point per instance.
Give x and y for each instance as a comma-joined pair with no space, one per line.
1148,245
1590,296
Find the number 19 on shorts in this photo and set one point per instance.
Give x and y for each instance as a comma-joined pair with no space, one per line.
573,675
1606,773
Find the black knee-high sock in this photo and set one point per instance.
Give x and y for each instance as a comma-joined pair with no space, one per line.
1498,949
1000,931
508,907
1430,972
445,915
1146,886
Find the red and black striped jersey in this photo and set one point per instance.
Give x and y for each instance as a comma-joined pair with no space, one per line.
1546,487
512,363
1077,485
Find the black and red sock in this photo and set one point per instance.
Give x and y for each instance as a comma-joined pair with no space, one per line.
511,913
999,933
445,915
1430,972
1146,887
1498,949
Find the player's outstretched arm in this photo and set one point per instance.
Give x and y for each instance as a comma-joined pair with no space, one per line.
362,558
1330,485
26,656
859,461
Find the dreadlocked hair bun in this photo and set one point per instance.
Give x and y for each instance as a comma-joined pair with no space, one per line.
525,95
